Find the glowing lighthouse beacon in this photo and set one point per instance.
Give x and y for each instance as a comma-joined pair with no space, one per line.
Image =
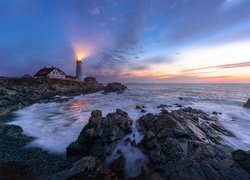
79,68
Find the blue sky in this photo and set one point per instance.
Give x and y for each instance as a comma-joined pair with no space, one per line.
128,40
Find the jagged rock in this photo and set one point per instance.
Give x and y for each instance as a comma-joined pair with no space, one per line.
96,118
114,87
117,165
178,144
243,158
121,112
164,111
97,140
178,105
247,104
100,135
162,106
215,113
10,130
140,107
79,169
180,148
181,98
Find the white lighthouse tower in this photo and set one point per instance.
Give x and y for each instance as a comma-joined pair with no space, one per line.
79,68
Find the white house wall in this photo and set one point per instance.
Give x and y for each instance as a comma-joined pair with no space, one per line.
56,74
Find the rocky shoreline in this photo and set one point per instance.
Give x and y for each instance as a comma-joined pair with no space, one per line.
17,161
182,144
19,92
185,143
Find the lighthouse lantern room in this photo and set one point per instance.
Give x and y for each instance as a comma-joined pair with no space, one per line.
79,68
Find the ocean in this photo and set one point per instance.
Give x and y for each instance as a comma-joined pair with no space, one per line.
56,125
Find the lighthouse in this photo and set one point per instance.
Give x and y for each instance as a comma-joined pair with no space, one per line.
79,68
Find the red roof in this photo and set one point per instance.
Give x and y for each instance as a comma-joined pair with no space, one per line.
45,71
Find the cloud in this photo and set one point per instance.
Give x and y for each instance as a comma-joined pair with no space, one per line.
159,60
204,23
140,68
127,74
126,32
141,52
94,11
165,76
223,66
217,77
130,31
131,35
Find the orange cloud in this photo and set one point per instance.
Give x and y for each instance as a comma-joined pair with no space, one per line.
227,79
223,66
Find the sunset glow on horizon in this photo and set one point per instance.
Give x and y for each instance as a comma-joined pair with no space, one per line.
129,41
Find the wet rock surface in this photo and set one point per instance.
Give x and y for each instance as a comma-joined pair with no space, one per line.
114,87
100,136
96,141
19,92
10,130
187,144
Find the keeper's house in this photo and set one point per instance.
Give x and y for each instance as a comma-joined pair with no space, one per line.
52,72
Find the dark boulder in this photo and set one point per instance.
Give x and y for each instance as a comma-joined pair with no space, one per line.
140,107
96,141
163,106
10,130
114,87
215,113
247,104
101,134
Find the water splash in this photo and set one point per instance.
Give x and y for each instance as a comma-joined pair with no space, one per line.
56,125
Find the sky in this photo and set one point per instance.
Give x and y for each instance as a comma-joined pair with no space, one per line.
146,41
